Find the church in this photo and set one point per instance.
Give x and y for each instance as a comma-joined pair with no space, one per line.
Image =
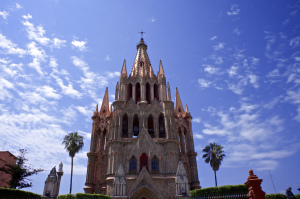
142,145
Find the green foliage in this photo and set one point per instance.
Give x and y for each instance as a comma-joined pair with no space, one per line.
8,193
66,196
83,196
20,172
222,190
91,196
276,196
297,196
73,143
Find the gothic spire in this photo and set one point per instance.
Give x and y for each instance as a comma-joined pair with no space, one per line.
178,104
141,66
124,70
105,105
161,70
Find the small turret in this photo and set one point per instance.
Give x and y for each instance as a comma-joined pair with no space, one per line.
124,70
161,72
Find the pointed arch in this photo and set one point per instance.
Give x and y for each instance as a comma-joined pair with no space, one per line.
148,93
136,125
129,91
181,140
161,126
143,161
151,126
137,93
156,93
132,165
125,126
155,165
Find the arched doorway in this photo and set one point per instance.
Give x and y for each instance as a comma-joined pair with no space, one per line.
144,192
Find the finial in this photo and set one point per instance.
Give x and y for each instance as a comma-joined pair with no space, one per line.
142,34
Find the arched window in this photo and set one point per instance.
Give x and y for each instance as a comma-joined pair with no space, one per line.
132,165
155,165
161,126
144,161
125,126
156,94
137,93
129,91
148,95
136,125
150,126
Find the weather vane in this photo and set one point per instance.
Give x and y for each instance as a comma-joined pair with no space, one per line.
142,33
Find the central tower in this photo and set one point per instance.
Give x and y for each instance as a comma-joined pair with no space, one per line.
142,146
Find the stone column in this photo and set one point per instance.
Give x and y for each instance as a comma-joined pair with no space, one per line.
133,93
253,184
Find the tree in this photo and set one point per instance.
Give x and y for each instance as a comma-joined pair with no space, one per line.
73,143
214,155
20,172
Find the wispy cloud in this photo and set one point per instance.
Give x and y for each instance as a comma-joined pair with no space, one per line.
58,43
153,19
204,83
4,14
219,46
234,10
9,47
107,58
79,45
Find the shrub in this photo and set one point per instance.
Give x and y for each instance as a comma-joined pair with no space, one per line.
276,196
91,196
221,190
16,193
83,196
66,196
297,196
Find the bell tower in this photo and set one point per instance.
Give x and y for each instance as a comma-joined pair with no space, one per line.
143,135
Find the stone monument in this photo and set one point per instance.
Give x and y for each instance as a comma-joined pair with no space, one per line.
52,183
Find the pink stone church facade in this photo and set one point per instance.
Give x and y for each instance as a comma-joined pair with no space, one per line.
142,146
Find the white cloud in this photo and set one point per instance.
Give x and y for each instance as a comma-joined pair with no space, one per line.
18,6
84,110
234,10
295,42
237,31
35,33
213,38
4,14
58,43
39,56
210,69
219,46
9,47
48,92
196,119
80,45
198,136
153,19
204,83
26,17
232,71
67,90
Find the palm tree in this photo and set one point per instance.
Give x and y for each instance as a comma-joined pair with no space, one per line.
213,155
73,143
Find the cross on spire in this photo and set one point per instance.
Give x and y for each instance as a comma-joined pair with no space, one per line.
142,33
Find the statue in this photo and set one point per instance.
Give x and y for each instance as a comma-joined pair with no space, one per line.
52,183
289,194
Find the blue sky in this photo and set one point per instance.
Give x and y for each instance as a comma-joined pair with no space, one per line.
236,65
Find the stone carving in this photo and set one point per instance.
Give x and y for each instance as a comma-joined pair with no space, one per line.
181,181
289,194
120,182
52,183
